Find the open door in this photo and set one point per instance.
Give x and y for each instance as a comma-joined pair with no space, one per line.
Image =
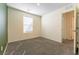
76,42
77,29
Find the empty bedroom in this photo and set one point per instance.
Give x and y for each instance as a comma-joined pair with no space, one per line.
36,29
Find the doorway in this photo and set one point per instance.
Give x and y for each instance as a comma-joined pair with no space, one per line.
68,27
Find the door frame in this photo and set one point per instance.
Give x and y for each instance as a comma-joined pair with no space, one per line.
74,27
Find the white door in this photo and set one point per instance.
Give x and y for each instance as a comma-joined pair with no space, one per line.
76,41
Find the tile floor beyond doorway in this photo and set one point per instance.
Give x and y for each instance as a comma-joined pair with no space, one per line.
40,46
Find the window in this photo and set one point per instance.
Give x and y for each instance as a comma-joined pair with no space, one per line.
27,24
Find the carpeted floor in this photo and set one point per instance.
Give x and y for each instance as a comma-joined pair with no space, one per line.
40,46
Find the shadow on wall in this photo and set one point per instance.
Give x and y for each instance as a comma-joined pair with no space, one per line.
3,27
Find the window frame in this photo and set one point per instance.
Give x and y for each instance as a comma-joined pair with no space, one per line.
24,25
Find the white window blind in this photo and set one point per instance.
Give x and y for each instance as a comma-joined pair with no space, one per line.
27,24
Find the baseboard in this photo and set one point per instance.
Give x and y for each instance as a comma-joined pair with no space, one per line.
5,49
23,39
51,39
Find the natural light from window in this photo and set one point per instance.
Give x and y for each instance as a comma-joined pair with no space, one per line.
27,24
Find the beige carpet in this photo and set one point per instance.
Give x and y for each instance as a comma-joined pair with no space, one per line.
40,46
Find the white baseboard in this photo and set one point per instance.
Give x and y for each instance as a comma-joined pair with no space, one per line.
23,39
51,39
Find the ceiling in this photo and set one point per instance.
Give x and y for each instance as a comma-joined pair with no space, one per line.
39,9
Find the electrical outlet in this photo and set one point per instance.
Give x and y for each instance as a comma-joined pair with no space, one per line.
1,48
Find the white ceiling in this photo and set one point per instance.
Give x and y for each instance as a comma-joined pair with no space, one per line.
42,9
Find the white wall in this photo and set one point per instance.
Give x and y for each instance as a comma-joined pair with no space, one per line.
15,25
52,24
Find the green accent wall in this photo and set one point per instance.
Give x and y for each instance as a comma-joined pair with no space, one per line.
3,26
